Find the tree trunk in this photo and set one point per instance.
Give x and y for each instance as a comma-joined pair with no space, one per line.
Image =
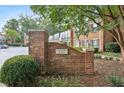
72,37
122,54
59,34
53,37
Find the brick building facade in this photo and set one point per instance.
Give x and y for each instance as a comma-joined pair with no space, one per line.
95,39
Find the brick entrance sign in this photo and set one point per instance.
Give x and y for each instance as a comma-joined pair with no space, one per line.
59,58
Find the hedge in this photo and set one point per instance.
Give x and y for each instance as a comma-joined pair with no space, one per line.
112,47
19,71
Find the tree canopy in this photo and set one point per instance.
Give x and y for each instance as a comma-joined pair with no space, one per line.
11,35
105,17
108,17
11,24
67,16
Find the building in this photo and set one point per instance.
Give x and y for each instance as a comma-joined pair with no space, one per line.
94,39
2,38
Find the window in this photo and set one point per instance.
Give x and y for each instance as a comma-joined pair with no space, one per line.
85,43
96,43
76,43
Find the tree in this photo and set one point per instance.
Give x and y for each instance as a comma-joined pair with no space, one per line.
55,15
28,22
11,28
51,27
11,36
109,18
11,24
66,16
113,21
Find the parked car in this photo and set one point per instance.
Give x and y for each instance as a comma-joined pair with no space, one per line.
3,46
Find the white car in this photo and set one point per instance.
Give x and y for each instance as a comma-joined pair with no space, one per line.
3,46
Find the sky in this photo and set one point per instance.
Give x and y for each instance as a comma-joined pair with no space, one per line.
13,11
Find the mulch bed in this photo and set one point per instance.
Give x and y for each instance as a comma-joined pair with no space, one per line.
103,69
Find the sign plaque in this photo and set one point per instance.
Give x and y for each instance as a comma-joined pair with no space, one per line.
61,51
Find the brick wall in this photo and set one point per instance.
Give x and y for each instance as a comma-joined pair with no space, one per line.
74,62
91,36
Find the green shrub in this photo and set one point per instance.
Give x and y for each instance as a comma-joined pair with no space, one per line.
78,48
97,56
17,44
112,47
19,71
24,45
112,54
96,50
116,81
14,44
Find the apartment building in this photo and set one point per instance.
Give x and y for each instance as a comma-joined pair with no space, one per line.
94,39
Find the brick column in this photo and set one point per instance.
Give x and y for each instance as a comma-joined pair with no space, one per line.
38,47
89,62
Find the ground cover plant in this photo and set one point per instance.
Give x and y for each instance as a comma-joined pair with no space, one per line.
116,81
59,81
108,56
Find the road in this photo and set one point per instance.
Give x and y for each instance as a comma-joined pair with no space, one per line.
10,52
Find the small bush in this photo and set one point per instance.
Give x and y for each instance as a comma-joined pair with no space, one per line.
17,44
96,50
19,71
14,44
97,56
112,47
116,81
112,54
24,45
78,48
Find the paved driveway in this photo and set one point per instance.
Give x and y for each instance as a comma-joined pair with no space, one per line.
10,52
